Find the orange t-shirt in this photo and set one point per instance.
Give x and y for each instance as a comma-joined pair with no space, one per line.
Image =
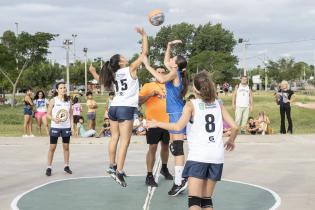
156,105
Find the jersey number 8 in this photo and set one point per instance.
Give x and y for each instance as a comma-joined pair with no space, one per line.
210,125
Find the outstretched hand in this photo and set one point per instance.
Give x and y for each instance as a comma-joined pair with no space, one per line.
140,31
229,145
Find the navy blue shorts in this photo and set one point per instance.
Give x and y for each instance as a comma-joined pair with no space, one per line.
173,118
65,133
201,170
121,113
28,111
91,115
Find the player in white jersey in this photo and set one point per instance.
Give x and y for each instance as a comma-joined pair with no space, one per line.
60,114
117,75
204,165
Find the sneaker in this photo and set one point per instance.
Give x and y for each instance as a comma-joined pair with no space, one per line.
48,172
67,170
176,189
111,170
166,174
120,179
149,181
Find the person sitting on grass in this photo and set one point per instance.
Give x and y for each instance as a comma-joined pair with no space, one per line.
105,131
251,126
263,123
139,126
82,132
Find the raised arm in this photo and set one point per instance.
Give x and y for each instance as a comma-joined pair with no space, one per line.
167,56
95,75
180,124
162,78
145,49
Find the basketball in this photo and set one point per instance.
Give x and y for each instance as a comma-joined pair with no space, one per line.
156,17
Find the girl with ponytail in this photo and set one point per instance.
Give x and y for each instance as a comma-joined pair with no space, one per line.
118,76
176,83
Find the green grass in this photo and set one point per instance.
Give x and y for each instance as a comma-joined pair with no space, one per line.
11,119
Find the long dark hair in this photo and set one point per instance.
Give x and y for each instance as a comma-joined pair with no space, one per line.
36,97
205,87
107,75
65,96
182,64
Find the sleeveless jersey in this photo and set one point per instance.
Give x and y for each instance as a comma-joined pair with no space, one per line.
174,101
62,110
205,141
126,89
242,96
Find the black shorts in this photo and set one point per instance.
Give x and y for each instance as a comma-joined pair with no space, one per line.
76,118
121,113
154,135
65,133
201,170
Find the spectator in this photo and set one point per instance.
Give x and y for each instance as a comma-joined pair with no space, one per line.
110,99
77,109
139,126
41,103
105,131
82,132
28,112
242,103
226,88
91,113
251,126
263,123
218,89
284,98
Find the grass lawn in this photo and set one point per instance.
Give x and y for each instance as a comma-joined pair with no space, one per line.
11,119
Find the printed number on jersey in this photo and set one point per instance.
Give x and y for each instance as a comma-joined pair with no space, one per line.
121,86
210,126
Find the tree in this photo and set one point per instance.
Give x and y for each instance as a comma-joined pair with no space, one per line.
18,53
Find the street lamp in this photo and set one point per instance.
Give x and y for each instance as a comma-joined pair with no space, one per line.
66,44
85,73
245,44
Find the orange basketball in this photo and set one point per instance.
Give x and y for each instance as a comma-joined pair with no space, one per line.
156,17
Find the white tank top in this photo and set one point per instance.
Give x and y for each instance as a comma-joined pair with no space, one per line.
126,89
205,141
62,110
242,96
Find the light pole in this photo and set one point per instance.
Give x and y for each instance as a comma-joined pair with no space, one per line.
245,45
266,76
67,43
74,52
85,72
17,28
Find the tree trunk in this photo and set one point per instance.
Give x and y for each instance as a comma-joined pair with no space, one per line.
13,96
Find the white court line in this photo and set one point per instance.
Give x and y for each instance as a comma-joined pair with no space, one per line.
17,198
274,194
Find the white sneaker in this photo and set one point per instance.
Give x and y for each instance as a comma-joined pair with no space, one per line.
24,136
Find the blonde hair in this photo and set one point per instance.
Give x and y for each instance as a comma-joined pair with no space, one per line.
284,82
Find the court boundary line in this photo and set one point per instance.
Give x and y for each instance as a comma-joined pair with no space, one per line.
273,193
15,201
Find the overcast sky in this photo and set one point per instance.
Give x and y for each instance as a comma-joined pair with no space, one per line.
106,26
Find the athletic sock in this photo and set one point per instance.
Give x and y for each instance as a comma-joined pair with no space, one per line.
150,174
178,175
49,167
164,167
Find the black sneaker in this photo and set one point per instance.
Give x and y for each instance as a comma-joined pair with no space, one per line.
120,179
176,189
67,170
149,181
111,170
48,172
166,174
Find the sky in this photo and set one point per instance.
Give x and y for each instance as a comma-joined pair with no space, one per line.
273,28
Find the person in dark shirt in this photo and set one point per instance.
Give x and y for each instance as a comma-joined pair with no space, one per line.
251,127
284,99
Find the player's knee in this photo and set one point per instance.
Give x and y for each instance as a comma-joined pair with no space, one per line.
194,201
177,148
206,202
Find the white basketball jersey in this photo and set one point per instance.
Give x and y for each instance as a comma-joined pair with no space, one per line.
62,110
205,141
242,96
126,89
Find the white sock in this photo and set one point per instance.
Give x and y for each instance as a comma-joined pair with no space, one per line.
49,167
178,175
66,165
